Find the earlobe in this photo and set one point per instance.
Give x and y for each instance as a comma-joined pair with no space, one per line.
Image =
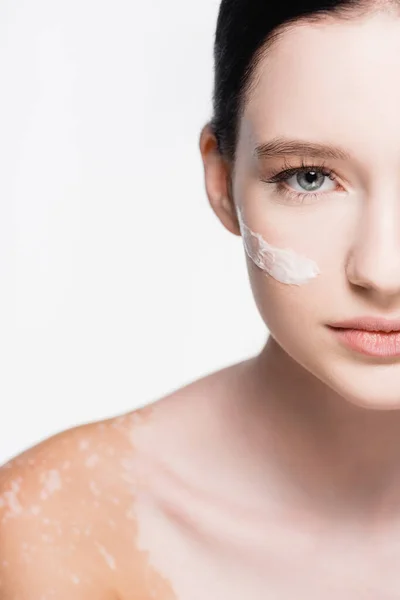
217,181
231,221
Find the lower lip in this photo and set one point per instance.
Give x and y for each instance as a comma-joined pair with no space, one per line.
371,343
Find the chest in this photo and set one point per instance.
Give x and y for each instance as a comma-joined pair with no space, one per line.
215,556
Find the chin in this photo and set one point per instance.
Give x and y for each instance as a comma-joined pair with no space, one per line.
369,386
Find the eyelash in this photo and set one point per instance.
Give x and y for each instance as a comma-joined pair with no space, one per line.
279,177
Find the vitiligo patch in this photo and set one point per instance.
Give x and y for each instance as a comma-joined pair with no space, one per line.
284,265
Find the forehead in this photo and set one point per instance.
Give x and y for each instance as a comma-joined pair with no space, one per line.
334,79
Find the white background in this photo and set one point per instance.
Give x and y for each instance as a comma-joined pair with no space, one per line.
118,283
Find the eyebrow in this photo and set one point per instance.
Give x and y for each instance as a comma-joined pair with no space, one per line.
282,146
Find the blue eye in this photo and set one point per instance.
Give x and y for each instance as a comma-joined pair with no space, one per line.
309,180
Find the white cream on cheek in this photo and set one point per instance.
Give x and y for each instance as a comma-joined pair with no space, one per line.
284,265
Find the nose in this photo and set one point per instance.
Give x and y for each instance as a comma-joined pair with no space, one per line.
374,259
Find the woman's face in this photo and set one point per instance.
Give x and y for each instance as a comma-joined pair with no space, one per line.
335,84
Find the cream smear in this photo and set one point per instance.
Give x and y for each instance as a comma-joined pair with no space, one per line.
284,265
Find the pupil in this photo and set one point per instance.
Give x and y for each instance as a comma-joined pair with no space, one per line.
310,176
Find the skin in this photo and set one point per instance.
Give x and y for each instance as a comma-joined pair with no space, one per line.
278,476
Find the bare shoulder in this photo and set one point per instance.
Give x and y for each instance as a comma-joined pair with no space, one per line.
52,500
69,517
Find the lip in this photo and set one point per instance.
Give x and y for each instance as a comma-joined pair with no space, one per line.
370,335
376,324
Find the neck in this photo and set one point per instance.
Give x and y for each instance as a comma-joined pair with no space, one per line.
333,455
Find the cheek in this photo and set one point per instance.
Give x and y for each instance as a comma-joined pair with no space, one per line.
292,312
282,264
296,262
282,306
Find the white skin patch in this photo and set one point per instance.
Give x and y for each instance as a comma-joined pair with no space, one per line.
94,489
52,482
92,460
83,444
284,265
106,555
11,501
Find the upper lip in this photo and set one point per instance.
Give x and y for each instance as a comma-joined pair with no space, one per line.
369,324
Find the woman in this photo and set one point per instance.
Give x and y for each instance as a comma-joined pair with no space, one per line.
277,477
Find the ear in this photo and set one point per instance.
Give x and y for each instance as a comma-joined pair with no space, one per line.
217,175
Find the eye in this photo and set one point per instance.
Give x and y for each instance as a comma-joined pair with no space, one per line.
309,180
303,184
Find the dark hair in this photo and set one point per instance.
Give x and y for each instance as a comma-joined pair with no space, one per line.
246,30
